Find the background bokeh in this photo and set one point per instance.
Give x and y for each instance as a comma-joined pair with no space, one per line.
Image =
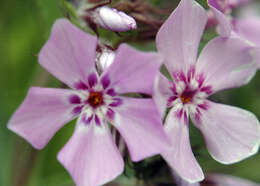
24,28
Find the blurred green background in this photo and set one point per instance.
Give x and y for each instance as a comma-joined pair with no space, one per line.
24,28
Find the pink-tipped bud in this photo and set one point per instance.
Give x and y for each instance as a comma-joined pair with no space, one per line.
114,20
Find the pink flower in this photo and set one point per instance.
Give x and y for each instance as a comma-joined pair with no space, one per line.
91,156
231,134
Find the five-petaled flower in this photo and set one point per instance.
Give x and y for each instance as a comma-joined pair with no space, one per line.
231,134
91,155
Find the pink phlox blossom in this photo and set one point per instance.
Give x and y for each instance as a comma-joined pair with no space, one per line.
91,156
231,134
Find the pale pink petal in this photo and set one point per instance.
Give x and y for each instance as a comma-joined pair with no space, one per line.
91,156
224,25
219,4
133,71
178,38
42,114
228,180
161,93
181,182
138,121
249,29
226,63
256,55
179,156
69,54
250,10
236,3
231,134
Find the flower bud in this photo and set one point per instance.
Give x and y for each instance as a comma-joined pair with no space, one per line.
114,20
105,57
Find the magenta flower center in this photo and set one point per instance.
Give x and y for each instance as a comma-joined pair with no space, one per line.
95,99
187,96
189,93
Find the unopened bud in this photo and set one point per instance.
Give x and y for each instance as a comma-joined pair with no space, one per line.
105,57
114,20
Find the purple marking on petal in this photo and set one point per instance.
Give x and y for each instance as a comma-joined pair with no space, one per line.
97,120
77,110
173,88
191,73
105,81
110,114
185,117
197,117
206,89
178,113
171,99
74,99
92,80
111,92
182,77
179,76
175,76
200,79
87,120
204,106
198,111
81,86
116,102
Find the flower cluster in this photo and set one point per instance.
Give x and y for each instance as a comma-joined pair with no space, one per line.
102,80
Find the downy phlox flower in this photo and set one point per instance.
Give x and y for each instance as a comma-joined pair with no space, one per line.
91,156
231,134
